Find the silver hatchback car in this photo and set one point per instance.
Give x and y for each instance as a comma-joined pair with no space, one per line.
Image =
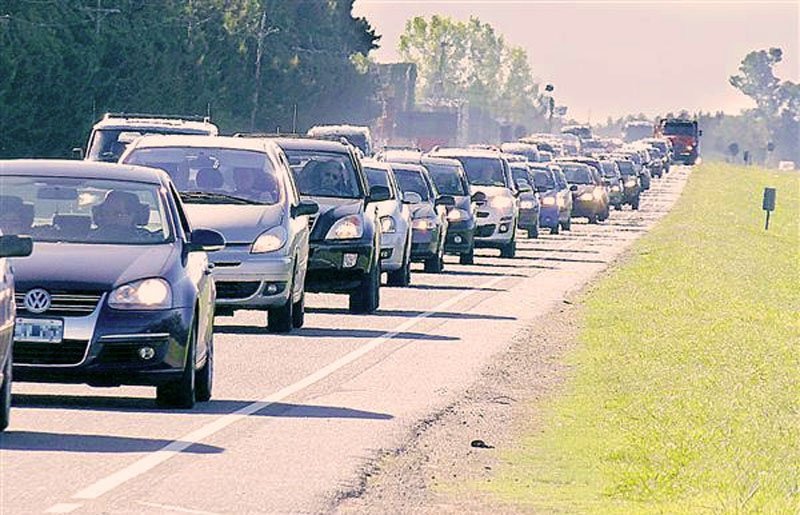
243,188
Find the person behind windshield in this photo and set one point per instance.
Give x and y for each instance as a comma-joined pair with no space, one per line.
253,183
16,217
119,217
329,177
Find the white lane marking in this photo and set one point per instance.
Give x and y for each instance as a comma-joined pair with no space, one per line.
175,447
167,507
64,507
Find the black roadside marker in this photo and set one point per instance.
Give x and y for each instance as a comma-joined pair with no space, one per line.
768,204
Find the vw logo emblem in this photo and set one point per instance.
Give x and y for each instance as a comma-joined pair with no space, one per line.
37,301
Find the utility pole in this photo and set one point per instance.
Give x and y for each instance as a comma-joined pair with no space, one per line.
263,32
98,14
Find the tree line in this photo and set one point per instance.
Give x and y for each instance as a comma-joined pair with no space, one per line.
250,64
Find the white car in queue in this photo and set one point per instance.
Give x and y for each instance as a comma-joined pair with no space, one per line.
493,193
395,219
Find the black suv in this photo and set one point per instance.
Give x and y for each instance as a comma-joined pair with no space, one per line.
344,246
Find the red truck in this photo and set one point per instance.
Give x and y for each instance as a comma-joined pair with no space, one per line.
685,138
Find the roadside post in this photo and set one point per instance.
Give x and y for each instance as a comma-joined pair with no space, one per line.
768,204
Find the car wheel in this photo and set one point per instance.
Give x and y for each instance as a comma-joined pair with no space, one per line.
280,319
635,204
533,232
467,258
181,392
435,265
299,312
618,207
367,297
5,395
592,219
555,228
509,250
402,276
204,377
567,226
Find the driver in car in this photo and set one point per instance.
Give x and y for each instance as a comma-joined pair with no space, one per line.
330,175
119,218
254,183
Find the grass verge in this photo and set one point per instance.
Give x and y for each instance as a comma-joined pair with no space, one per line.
685,393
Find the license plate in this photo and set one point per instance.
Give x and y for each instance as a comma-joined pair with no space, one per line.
39,330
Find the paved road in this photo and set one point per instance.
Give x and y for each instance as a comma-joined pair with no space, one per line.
295,418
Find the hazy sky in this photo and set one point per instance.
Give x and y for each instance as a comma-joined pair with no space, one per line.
614,58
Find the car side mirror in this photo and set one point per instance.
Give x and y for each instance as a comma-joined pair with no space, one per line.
12,245
411,197
573,187
524,187
304,208
77,153
446,200
205,240
379,193
478,197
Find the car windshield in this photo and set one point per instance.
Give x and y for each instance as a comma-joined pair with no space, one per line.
544,180
378,177
577,174
99,211
609,170
483,171
109,144
626,168
325,174
520,173
214,175
447,179
410,180
679,129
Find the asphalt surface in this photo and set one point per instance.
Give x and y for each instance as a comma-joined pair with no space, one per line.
294,418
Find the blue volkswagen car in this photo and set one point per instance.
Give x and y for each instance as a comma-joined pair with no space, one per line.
118,288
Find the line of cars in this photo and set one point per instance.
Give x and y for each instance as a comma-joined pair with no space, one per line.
128,262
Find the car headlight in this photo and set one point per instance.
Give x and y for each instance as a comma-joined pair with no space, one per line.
526,204
387,225
151,293
549,201
630,183
270,241
561,202
456,215
615,188
501,202
347,228
424,224
598,193
587,196
689,147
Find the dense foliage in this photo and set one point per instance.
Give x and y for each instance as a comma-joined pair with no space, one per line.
65,62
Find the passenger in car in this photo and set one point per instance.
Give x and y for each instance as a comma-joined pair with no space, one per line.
209,179
254,183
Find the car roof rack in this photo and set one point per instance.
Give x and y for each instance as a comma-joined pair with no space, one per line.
188,118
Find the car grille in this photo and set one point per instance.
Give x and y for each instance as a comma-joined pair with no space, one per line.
68,352
484,231
65,304
482,214
237,290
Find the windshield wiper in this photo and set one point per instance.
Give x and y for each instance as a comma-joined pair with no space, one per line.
205,197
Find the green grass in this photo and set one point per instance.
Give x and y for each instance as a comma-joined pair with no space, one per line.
685,391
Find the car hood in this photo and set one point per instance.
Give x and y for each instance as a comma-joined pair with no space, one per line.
330,210
73,266
238,223
423,210
583,188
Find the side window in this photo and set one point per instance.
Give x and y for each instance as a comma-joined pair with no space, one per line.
182,219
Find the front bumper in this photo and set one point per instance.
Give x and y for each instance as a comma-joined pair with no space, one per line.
549,217
102,349
326,265
424,244
393,248
251,281
493,228
460,237
586,208
528,218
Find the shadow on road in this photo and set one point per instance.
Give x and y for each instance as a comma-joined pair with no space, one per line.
563,260
482,274
413,313
148,405
452,288
332,332
517,265
61,442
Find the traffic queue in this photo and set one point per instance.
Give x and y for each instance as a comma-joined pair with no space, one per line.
122,259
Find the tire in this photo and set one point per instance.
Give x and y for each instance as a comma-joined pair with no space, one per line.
402,276
555,229
181,392
509,250
592,219
618,207
204,377
635,204
567,226
533,232
280,319
366,298
299,312
467,258
5,395
435,265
